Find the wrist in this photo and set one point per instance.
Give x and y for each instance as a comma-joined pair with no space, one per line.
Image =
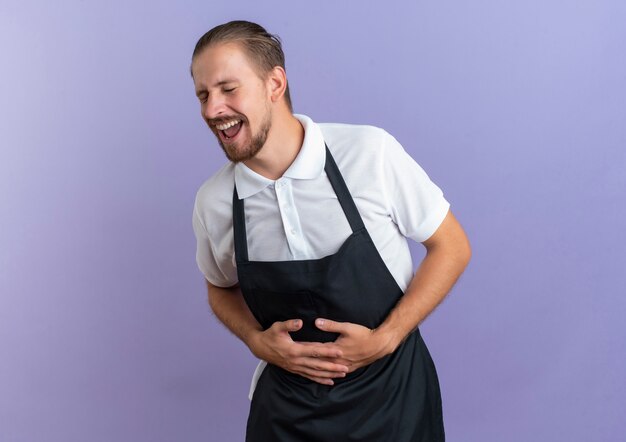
388,340
253,342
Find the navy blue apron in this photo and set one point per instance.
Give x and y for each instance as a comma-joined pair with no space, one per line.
396,398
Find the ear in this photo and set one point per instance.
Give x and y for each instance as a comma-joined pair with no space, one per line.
276,83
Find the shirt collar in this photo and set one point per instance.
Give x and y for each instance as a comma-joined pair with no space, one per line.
308,164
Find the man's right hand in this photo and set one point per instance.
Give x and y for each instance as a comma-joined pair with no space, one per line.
313,360
309,359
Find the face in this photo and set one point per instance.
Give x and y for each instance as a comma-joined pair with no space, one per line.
234,100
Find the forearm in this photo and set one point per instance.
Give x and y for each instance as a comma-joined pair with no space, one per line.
447,254
231,309
433,280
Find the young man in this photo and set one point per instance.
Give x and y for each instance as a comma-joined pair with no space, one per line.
302,240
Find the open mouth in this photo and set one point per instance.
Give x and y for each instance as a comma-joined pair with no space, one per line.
229,130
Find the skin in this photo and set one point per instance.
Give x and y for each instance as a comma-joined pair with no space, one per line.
228,85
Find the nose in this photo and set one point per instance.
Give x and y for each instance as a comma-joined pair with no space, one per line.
214,107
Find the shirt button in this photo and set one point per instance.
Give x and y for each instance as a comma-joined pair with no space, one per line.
293,231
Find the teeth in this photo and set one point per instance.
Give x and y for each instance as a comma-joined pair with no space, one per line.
225,126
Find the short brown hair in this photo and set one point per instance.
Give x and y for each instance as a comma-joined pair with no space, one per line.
264,49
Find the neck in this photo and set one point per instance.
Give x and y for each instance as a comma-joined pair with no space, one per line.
281,148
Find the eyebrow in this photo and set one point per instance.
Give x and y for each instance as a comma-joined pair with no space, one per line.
223,82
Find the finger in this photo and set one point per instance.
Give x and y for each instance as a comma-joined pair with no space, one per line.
321,374
322,381
316,367
289,325
339,361
319,350
323,365
331,326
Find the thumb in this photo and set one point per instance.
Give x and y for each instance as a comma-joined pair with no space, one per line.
330,326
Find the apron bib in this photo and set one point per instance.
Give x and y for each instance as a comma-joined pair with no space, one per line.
396,398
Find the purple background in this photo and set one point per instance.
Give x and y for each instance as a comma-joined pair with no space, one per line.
515,109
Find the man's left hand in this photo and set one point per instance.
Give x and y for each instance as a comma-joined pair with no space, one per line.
360,345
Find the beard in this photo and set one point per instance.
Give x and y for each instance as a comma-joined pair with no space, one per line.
257,142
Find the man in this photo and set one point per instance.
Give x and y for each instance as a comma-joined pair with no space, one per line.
302,240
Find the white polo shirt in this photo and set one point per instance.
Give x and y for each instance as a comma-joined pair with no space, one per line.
298,215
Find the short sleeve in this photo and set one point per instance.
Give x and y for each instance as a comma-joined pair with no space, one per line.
219,272
416,204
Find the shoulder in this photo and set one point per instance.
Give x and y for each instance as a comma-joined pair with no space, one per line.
342,134
351,143
214,198
359,151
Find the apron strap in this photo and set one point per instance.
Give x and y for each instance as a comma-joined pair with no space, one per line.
342,192
239,229
339,186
